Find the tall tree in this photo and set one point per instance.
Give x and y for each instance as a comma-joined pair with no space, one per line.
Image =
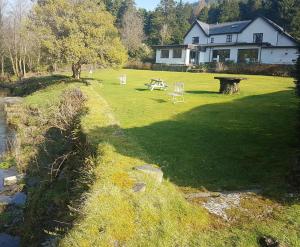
132,31
78,32
2,33
229,11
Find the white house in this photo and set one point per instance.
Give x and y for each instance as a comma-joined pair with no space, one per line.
253,41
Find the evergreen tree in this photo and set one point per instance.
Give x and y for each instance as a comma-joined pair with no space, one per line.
229,11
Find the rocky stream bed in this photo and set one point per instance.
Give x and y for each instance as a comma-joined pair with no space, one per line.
12,196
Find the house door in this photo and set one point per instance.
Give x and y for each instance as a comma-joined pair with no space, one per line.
194,57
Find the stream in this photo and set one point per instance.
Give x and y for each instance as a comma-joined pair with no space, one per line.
9,199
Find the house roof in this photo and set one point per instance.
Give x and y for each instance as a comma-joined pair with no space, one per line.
235,27
224,28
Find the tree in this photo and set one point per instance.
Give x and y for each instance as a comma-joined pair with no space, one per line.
229,11
250,9
2,33
295,25
16,38
132,31
78,32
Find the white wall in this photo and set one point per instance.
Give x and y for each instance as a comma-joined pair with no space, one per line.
259,26
221,39
195,32
283,40
171,60
279,56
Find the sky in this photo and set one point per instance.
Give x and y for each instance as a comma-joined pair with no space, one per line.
151,4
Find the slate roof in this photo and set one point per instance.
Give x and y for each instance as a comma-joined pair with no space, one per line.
224,28
236,27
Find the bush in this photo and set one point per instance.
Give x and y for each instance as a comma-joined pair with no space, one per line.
252,69
166,67
297,76
134,64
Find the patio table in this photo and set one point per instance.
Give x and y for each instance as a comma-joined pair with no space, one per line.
157,84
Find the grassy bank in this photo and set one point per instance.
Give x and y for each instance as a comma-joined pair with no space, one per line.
113,213
211,142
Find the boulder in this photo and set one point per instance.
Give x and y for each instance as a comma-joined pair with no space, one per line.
151,170
4,173
12,180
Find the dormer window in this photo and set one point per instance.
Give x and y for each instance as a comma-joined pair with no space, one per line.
195,40
258,37
212,40
229,38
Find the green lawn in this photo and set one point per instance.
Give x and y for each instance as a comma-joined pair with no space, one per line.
211,140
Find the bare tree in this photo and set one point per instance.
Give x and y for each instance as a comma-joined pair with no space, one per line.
132,31
17,38
3,4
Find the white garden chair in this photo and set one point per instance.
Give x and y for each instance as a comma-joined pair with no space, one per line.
178,94
123,80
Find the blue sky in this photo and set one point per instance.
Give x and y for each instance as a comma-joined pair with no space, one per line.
151,4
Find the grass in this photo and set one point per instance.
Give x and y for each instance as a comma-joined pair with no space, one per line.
210,142
211,139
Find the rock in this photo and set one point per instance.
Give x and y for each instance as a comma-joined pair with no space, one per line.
151,170
9,241
219,205
139,187
269,242
12,180
6,173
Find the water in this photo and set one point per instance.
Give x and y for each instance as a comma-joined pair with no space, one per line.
19,198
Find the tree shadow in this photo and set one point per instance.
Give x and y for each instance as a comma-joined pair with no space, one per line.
160,100
142,89
33,84
244,144
202,92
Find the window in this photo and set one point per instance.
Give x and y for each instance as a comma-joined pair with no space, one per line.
195,40
258,37
229,38
212,40
164,54
248,55
177,53
223,55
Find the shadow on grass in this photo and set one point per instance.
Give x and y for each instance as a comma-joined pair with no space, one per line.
202,92
244,144
160,100
142,89
33,84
